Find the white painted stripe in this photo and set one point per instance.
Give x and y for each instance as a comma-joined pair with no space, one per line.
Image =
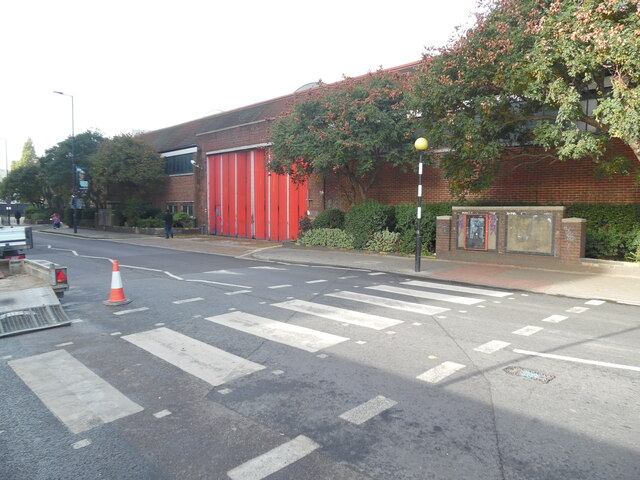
162,413
73,393
554,319
440,372
218,283
225,272
274,460
339,314
238,292
389,303
578,360
368,410
316,281
424,294
376,273
528,330
577,309
286,333
188,300
201,360
66,344
81,444
457,288
133,310
492,346
169,274
594,302
280,286
268,268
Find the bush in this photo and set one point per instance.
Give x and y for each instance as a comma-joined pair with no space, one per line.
328,237
384,241
362,221
183,220
331,218
406,218
634,253
304,225
611,229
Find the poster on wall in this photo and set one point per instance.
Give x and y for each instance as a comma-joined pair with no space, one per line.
530,232
475,236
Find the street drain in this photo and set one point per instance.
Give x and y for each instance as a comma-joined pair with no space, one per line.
531,374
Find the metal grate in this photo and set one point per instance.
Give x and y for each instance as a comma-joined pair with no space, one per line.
31,319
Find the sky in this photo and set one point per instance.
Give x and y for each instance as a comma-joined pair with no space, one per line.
140,65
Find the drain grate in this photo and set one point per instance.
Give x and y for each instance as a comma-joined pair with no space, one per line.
528,373
31,319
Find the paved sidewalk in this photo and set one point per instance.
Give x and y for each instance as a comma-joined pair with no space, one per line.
611,281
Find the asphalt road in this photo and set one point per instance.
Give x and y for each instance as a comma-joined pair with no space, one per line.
232,368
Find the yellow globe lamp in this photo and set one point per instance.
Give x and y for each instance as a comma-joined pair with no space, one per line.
421,144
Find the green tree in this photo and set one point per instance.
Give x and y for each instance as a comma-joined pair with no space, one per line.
351,129
28,156
57,162
518,83
24,184
125,168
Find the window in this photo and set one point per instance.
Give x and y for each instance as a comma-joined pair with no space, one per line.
179,164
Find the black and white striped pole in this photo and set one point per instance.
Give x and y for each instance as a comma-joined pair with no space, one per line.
421,145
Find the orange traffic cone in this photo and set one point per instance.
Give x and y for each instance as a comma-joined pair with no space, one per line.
117,292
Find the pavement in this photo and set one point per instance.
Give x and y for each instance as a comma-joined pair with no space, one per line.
591,279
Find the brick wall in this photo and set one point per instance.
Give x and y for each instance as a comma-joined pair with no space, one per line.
527,180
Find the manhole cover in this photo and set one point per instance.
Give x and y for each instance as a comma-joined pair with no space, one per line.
528,373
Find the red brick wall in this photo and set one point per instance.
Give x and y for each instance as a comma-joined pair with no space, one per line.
520,181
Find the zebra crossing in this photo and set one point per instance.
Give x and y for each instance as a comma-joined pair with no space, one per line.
82,400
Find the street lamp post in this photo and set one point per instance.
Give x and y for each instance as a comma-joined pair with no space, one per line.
421,145
74,190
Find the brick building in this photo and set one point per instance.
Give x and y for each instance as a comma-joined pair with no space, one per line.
217,167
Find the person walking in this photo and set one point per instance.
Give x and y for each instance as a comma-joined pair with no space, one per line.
168,224
55,218
18,215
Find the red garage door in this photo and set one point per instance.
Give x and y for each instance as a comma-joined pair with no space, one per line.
245,200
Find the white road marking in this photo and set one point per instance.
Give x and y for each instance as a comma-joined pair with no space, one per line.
225,272
217,283
347,277
286,333
208,363
176,277
339,314
492,346
66,344
440,372
368,410
133,267
73,393
81,444
457,288
269,268
115,334
577,309
237,292
389,303
188,300
424,294
376,273
162,413
555,319
133,310
316,281
274,460
280,286
594,302
578,360
528,330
